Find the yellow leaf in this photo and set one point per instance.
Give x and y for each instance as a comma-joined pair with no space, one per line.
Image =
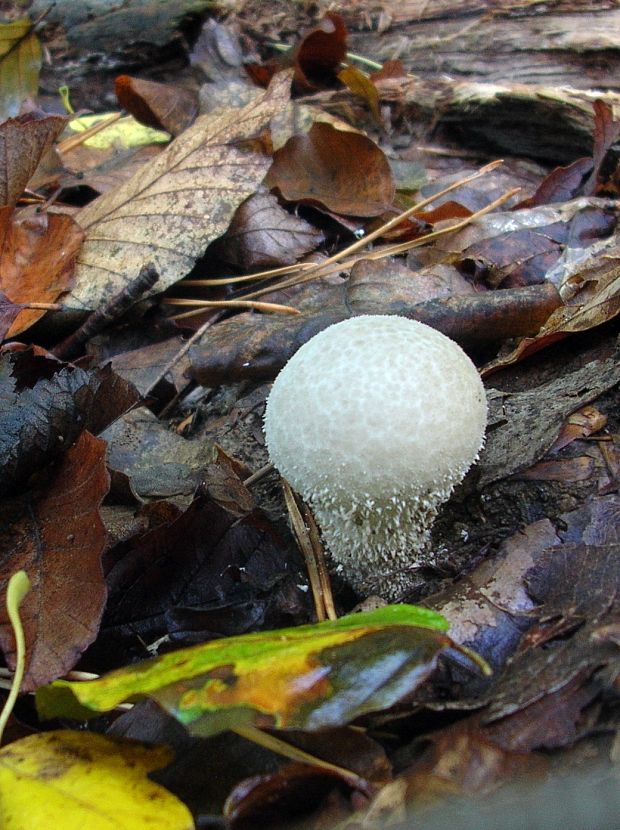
20,63
76,780
175,205
124,133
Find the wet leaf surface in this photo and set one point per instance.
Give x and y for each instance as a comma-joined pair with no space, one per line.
350,666
45,406
211,571
158,462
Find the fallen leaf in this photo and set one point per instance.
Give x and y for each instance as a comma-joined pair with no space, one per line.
217,53
489,608
581,424
8,312
320,52
125,133
263,234
562,184
565,469
170,210
158,462
217,569
463,759
37,257
78,779
56,535
306,677
24,141
44,406
362,86
517,437
42,411
594,294
142,366
20,63
161,106
101,168
344,172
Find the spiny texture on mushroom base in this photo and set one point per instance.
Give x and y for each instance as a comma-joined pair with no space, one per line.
374,421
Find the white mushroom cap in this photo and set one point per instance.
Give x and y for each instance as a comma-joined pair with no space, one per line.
374,421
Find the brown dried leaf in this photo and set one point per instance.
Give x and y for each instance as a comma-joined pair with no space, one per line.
599,281
562,184
565,469
518,437
341,171
606,133
161,106
170,210
23,143
37,258
158,462
209,572
581,424
489,608
263,234
320,52
43,403
8,312
57,537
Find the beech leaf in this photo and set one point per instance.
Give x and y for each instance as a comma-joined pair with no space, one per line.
176,204
160,106
342,171
57,537
308,677
264,235
78,779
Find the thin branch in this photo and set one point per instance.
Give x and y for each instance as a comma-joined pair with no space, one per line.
103,317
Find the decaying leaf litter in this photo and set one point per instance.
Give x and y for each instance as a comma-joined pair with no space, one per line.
136,495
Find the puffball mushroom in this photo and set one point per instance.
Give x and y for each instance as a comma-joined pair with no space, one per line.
374,421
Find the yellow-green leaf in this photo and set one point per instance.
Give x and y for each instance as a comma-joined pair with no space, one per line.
76,780
20,64
307,677
125,133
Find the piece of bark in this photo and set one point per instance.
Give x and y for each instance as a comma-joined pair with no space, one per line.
563,42
552,124
255,347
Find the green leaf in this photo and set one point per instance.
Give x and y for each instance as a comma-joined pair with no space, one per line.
308,677
20,64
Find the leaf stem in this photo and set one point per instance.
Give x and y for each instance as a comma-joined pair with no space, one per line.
18,587
269,741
